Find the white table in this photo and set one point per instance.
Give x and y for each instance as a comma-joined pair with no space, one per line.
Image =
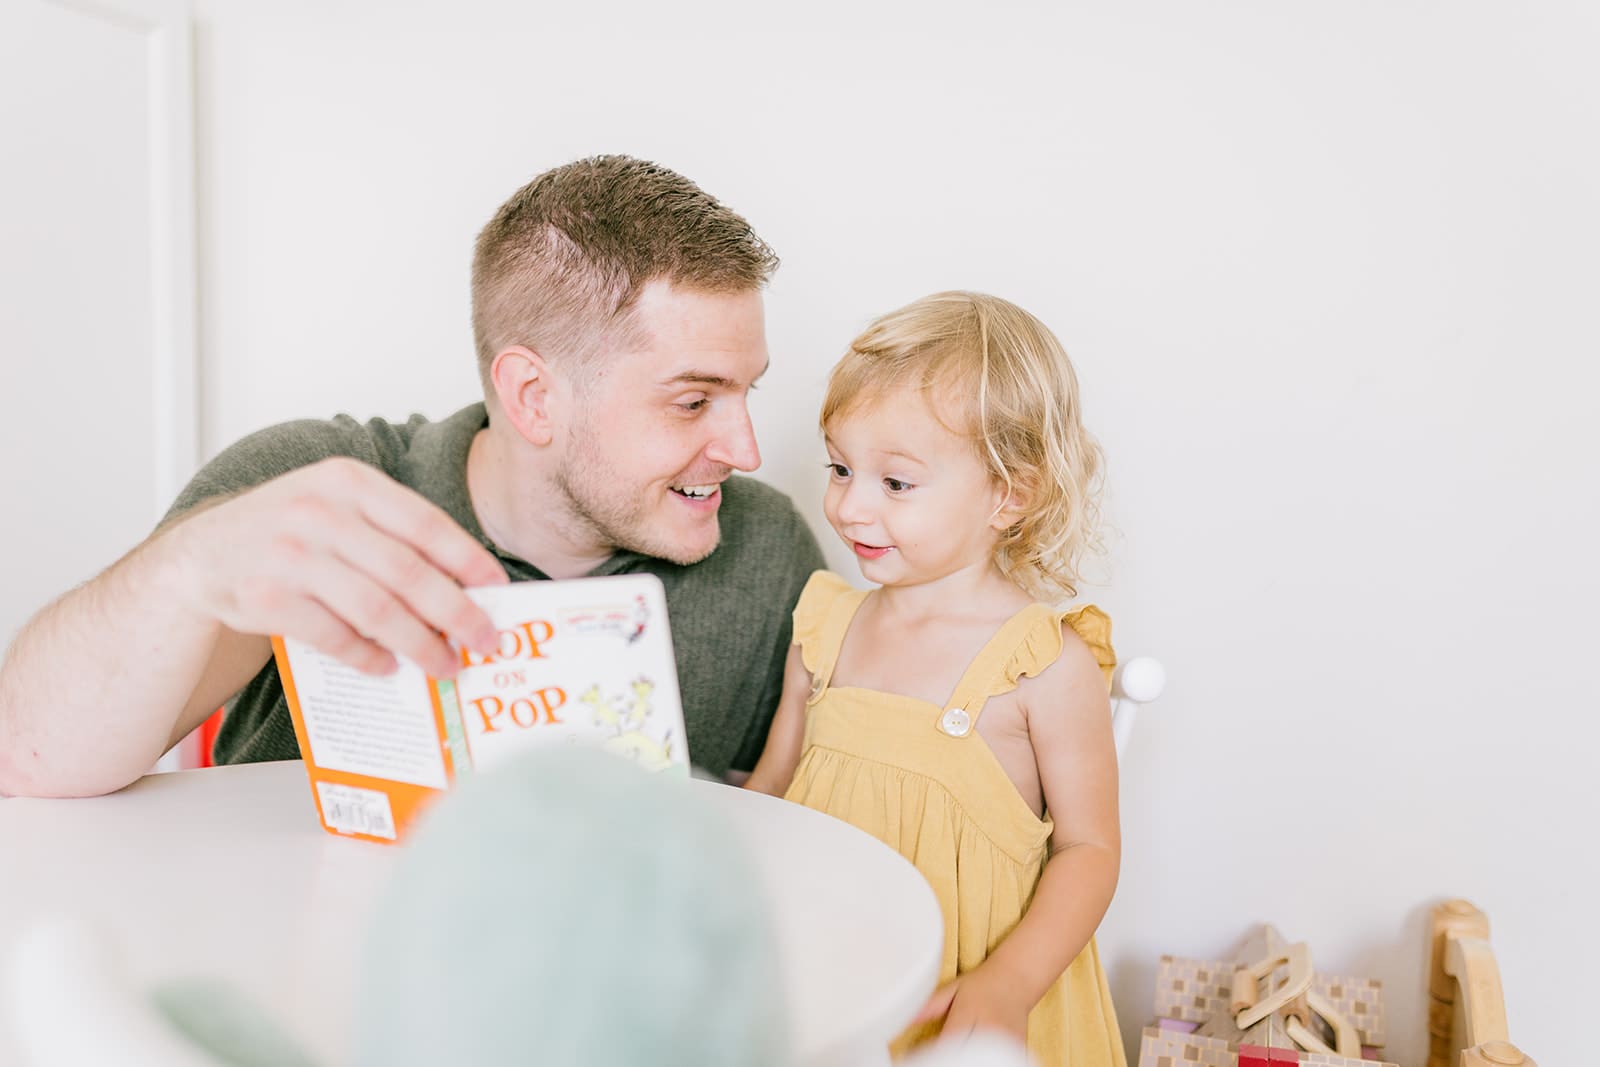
227,872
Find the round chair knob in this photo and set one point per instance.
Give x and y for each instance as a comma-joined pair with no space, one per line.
1143,679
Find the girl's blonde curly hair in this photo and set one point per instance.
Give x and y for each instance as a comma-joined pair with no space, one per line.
996,375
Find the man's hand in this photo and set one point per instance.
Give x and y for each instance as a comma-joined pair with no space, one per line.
344,558
337,554
977,1000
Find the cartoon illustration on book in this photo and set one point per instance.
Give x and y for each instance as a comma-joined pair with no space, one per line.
641,615
627,725
627,623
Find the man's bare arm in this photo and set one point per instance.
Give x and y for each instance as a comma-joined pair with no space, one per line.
336,554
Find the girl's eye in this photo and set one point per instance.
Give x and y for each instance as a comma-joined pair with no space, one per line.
895,485
838,470
694,405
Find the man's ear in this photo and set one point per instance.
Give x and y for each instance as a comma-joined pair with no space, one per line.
527,391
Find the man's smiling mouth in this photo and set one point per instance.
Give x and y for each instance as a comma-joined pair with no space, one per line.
697,492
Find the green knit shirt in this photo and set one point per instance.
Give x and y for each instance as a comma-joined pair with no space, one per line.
730,612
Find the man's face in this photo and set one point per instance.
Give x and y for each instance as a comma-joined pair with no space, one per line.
663,421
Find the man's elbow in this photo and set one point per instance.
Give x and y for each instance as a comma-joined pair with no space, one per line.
51,787
14,779
24,773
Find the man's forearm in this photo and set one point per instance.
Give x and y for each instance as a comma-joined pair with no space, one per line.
95,686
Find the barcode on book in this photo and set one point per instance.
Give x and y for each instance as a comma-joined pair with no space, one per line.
356,811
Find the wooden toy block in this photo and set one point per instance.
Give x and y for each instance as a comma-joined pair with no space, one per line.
1495,1054
1259,943
1255,1056
1480,1002
1182,1026
1268,999
1251,1003
1358,999
1268,1033
1192,990
1453,918
1466,1004
1161,1048
1450,920
1323,1059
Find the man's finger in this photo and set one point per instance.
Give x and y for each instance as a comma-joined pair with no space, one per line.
377,614
429,593
324,631
406,515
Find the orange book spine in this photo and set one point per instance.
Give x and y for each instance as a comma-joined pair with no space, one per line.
359,805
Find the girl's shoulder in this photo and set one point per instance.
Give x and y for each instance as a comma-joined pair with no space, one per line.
822,590
1057,641
1091,626
823,593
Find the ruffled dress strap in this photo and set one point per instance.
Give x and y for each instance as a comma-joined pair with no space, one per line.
821,617
1028,643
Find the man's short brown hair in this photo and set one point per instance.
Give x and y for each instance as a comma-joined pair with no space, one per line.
562,262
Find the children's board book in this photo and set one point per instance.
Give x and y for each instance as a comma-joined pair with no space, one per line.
586,661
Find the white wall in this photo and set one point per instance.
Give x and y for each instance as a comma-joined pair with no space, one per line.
1328,273
96,287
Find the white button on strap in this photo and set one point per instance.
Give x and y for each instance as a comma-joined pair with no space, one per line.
817,686
956,722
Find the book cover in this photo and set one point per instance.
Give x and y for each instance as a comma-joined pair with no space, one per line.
586,661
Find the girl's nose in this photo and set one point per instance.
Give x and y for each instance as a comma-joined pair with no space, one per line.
854,507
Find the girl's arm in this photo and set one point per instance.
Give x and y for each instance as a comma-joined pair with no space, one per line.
1069,725
775,769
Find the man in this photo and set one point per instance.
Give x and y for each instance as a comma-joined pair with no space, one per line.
619,326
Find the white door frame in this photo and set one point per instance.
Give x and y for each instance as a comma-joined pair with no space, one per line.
166,27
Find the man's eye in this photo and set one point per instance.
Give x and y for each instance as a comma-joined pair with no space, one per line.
694,405
895,485
838,470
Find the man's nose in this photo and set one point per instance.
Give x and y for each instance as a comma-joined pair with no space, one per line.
735,443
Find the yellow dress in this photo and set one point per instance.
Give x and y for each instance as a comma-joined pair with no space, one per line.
920,779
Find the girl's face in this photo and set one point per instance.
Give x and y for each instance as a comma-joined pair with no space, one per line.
907,495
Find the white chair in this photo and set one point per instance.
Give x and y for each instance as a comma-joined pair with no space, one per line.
1136,682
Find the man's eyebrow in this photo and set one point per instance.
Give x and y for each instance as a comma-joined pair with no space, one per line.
694,377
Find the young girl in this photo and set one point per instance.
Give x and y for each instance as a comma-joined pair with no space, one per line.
952,712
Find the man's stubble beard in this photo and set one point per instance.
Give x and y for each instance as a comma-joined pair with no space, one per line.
597,499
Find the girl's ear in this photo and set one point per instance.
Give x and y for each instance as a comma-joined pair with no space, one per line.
1011,507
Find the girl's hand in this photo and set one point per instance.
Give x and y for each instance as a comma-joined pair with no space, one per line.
976,1001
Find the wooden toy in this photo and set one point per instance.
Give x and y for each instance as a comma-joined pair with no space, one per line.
1265,1007
1466,1004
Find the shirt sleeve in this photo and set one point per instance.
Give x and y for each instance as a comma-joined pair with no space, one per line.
270,453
